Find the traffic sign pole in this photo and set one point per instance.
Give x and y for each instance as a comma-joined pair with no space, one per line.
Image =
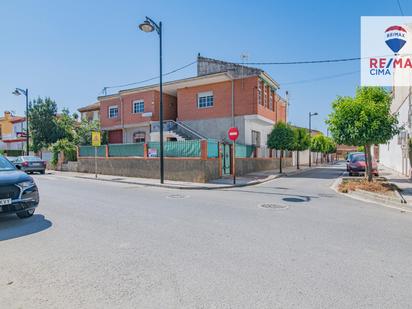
234,162
233,134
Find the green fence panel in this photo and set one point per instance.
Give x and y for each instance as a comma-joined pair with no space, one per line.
244,151
126,150
89,151
212,148
176,148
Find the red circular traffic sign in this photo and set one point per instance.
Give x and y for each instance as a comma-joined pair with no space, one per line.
233,133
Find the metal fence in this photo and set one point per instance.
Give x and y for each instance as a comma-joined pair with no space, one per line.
212,148
126,150
183,149
89,151
244,151
175,149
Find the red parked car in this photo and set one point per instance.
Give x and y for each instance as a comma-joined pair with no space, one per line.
357,165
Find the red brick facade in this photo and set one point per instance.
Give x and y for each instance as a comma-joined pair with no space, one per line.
126,116
246,100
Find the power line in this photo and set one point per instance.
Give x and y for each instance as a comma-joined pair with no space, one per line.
149,79
400,7
305,61
319,78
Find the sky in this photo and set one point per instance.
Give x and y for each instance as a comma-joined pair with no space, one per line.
71,50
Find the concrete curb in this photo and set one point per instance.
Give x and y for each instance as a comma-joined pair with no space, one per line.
369,197
179,187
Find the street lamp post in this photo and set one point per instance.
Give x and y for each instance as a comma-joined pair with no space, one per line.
19,91
310,134
148,26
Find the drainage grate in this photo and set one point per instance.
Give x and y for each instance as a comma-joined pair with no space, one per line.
177,196
273,206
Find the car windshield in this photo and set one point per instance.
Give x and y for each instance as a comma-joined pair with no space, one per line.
31,158
358,158
5,165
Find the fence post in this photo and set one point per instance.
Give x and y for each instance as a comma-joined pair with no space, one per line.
203,149
145,150
77,152
219,157
107,151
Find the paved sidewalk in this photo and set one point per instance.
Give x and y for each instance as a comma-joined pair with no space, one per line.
225,182
403,182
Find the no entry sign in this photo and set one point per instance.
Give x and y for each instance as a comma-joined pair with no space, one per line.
233,133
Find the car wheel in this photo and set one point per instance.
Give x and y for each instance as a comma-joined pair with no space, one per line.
25,214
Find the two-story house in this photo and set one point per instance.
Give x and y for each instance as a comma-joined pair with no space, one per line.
222,95
12,132
90,112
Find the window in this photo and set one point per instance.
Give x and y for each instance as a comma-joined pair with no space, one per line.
259,90
270,100
265,103
255,138
113,111
138,106
205,100
139,137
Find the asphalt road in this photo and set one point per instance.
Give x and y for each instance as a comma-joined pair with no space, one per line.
97,244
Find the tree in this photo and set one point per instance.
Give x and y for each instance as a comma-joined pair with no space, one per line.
301,142
43,127
329,146
364,120
84,132
317,144
281,138
66,126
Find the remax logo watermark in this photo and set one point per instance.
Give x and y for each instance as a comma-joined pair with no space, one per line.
395,37
386,50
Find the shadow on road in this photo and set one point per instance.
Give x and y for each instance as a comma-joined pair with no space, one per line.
13,227
321,173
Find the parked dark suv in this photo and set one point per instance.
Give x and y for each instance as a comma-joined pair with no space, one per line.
18,192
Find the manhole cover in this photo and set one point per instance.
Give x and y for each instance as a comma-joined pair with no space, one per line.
273,206
294,199
177,196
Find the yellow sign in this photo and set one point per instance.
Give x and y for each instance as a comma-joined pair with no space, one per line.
95,138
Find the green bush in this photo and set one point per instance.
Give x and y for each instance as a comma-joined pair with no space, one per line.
63,145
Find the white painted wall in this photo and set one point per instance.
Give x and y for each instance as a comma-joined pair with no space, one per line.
392,154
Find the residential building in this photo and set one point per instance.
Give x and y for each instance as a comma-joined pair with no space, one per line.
90,112
395,154
222,95
12,132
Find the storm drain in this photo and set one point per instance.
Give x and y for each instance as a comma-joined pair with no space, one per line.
273,206
177,196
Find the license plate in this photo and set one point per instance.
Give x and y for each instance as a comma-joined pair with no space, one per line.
36,164
6,201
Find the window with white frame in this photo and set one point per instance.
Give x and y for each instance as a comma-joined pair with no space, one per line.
255,138
270,100
138,106
113,111
265,103
205,99
259,90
